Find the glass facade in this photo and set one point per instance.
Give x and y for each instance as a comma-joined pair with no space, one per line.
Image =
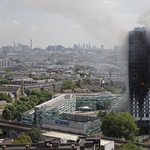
58,112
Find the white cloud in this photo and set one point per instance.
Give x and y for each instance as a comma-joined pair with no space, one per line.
15,23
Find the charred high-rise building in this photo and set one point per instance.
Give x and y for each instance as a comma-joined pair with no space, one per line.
139,75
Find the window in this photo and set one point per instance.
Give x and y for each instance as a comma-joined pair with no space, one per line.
147,115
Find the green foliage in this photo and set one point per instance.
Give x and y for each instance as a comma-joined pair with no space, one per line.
20,108
112,90
68,84
35,134
31,75
55,90
77,69
35,92
5,69
121,125
130,146
9,112
35,97
8,75
103,90
4,81
61,62
4,97
88,81
101,114
24,99
27,91
82,74
107,104
80,67
79,84
22,139
18,60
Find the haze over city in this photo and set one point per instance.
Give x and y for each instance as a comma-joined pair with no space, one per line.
53,22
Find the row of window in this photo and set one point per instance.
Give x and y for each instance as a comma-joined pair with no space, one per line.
143,115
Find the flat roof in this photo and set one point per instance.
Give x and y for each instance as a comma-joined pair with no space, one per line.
55,102
61,135
104,142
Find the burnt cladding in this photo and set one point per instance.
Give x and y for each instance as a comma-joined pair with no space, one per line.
139,74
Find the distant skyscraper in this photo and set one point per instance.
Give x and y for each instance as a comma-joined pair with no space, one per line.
83,46
139,75
102,47
75,46
31,43
79,46
89,46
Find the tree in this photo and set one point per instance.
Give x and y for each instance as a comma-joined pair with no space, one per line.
68,84
9,112
27,91
79,84
31,75
35,134
8,75
20,108
24,99
88,81
61,62
45,94
101,114
121,125
4,81
35,92
130,146
55,90
34,99
30,105
82,74
22,139
5,69
4,97
112,90
18,60
77,69
107,104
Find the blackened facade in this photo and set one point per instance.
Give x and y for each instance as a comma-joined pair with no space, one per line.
139,75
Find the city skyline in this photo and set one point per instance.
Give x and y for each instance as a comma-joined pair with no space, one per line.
104,22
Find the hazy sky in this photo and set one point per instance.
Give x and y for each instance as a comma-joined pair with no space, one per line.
68,22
